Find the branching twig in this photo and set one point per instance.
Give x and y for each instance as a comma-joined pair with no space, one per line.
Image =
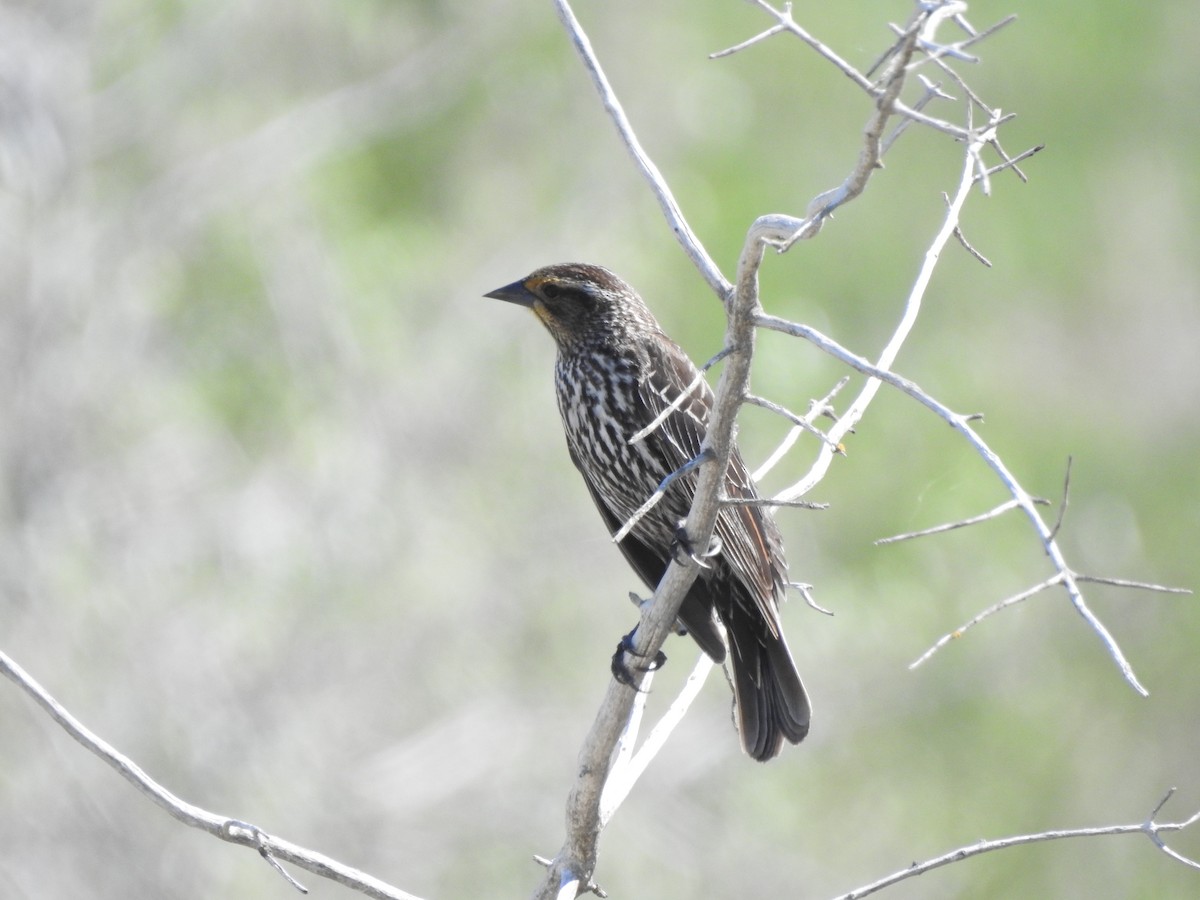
801,422
1060,578
272,849
1153,830
912,308
816,409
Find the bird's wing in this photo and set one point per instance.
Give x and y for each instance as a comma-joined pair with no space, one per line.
750,539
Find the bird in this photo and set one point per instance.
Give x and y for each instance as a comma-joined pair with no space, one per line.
616,374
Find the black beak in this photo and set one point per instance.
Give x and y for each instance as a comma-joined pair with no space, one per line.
513,293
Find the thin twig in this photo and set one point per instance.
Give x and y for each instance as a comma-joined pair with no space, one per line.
970,249
1153,830
789,24
1066,498
1011,163
798,421
771,503
749,42
816,409
961,523
886,96
991,610
1136,585
666,199
912,308
806,592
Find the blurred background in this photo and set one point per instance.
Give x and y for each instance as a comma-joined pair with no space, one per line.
286,513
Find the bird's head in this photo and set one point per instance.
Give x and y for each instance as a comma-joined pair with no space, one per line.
579,304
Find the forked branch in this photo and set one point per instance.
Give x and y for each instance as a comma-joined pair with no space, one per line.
1152,829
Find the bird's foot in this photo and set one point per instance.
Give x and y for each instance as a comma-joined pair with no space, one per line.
632,675
684,551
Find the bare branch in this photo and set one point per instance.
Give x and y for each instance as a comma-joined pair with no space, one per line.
870,155
771,503
666,199
991,610
962,424
1011,163
816,408
799,421
961,523
729,51
631,766
933,92
858,407
1066,496
228,829
787,23
1137,585
970,249
1150,828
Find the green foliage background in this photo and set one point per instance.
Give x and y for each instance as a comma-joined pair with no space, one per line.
286,516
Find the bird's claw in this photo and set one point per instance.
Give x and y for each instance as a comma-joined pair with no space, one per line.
623,672
685,552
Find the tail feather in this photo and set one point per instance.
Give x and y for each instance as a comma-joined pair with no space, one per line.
772,705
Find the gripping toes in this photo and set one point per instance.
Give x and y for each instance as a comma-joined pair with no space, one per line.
685,551
631,675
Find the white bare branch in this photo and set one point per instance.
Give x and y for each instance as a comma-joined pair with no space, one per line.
666,199
961,523
271,848
1153,830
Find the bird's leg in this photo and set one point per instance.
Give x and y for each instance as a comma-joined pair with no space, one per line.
623,672
685,552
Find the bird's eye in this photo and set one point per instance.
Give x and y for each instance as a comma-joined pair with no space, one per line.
551,291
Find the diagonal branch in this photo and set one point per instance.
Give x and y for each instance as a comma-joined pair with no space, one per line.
961,423
271,848
666,199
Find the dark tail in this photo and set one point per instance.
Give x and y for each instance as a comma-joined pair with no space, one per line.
772,705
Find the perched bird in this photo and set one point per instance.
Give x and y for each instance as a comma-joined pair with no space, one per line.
616,373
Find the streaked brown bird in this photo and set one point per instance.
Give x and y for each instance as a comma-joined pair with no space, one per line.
616,374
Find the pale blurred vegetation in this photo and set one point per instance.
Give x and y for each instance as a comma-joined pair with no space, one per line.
286,512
